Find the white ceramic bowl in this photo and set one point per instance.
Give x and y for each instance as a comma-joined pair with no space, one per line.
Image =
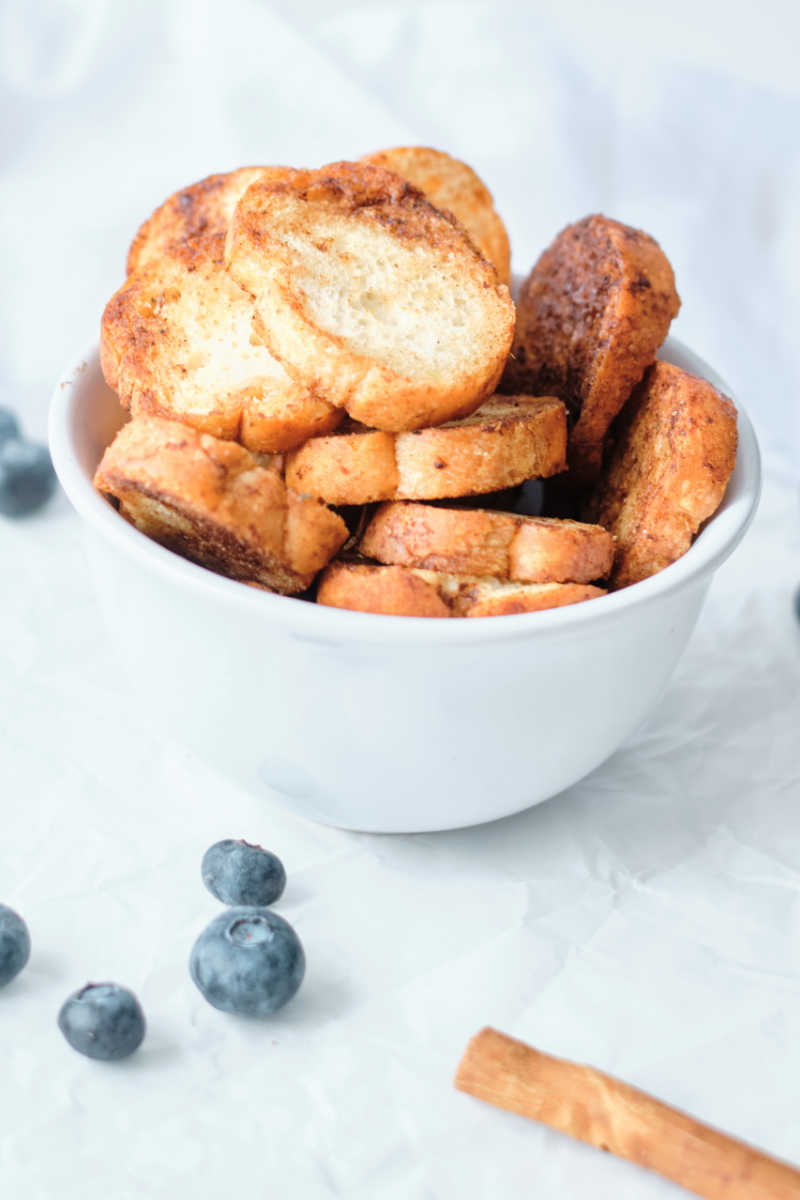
386,724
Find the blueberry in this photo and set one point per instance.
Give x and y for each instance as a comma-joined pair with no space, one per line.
102,1020
249,961
240,873
9,425
15,944
27,477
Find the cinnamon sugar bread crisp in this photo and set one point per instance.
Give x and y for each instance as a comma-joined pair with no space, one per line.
501,598
454,187
508,439
673,453
354,320
468,541
213,502
392,591
202,209
369,296
409,592
176,342
591,315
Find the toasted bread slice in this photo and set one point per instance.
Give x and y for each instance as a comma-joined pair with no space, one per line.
394,591
176,341
369,296
496,598
509,439
203,208
213,502
591,315
282,417
408,592
464,541
674,451
453,187
355,466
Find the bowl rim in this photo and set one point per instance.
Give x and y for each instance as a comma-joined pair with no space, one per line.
318,623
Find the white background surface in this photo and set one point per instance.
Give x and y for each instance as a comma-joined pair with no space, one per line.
647,921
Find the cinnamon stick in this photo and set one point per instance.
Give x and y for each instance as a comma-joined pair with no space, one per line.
613,1116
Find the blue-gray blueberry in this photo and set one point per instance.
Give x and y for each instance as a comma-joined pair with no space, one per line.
27,478
102,1020
237,872
248,961
15,944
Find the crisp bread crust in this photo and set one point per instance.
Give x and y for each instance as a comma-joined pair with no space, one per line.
477,542
406,591
291,242
201,209
176,343
509,439
393,591
590,318
452,186
213,502
674,448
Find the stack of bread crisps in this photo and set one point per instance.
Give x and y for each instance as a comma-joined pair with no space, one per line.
316,362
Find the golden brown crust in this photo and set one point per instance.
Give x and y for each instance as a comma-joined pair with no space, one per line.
355,466
591,315
176,342
458,541
509,439
370,296
201,209
212,502
393,591
674,451
452,186
409,592
280,419
488,598
465,541
143,350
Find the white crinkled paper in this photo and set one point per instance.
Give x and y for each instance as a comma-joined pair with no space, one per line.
647,921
